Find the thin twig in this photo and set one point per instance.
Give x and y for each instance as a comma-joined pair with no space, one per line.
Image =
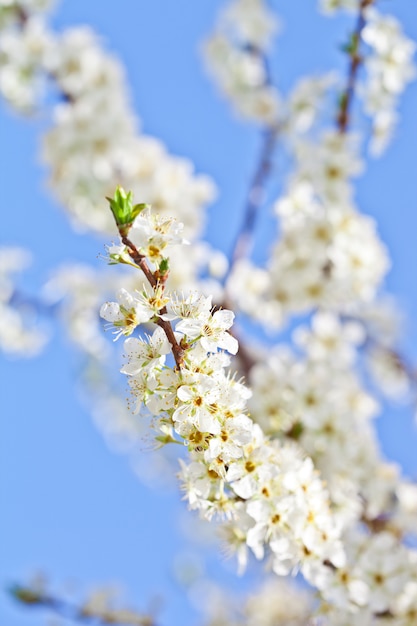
255,196
346,100
33,598
246,359
254,200
140,260
256,192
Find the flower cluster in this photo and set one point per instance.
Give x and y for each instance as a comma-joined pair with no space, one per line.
319,400
267,492
329,255
236,57
304,104
390,67
275,603
94,143
388,60
270,494
23,52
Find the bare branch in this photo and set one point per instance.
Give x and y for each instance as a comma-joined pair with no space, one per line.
83,613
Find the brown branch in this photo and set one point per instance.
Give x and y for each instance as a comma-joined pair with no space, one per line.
399,361
34,598
242,243
177,351
346,99
382,524
140,260
254,200
245,358
255,196
22,15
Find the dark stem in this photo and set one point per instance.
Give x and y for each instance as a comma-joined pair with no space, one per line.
255,196
33,598
140,260
346,99
254,200
177,351
245,358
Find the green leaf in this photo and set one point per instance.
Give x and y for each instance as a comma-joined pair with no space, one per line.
342,100
24,595
165,439
123,210
138,208
295,431
351,46
164,267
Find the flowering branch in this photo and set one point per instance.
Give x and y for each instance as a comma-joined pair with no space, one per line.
125,215
329,255
203,404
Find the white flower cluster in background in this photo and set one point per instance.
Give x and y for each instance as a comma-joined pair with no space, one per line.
22,55
20,334
237,54
77,291
94,143
389,594
236,57
390,68
319,399
375,576
328,254
276,602
331,257
305,103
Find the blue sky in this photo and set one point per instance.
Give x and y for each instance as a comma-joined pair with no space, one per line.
69,507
